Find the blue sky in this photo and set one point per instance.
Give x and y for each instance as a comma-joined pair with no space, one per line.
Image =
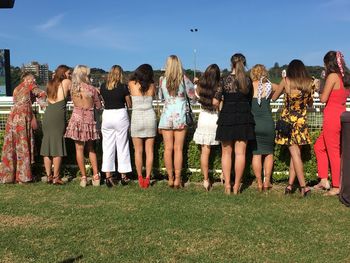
129,33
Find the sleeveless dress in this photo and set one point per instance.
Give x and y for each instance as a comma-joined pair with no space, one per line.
143,118
174,110
295,113
235,122
54,126
264,127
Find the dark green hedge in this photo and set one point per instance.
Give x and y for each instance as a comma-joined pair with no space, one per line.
191,159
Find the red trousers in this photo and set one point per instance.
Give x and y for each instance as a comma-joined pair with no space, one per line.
327,146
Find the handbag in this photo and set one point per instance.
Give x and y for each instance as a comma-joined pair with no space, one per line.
284,127
190,120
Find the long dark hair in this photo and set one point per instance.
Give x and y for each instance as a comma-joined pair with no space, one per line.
143,75
207,86
52,86
298,76
238,62
330,61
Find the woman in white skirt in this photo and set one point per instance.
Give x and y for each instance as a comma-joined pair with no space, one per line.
206,128
115,126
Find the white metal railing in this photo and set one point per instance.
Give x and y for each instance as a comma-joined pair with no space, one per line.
315,116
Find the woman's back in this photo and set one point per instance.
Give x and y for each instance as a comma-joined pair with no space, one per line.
85,97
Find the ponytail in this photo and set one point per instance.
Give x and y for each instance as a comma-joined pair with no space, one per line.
238,64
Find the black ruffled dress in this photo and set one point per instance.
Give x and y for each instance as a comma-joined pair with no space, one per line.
235,122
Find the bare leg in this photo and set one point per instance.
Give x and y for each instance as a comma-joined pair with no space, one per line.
268,165
48,165
79,149
205,161
297,165
240,149
149,149
92,156
168,137
179,136
138,147
226,163
257,168
56,166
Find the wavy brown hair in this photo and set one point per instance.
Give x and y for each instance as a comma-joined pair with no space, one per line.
207,86
52,86
144,76
330,61
238,62
298,76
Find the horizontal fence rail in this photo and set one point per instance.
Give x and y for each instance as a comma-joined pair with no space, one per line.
314,115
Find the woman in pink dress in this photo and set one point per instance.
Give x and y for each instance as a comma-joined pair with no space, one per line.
82,125
18,147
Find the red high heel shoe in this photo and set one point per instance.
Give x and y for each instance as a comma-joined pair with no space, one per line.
141,181
146,182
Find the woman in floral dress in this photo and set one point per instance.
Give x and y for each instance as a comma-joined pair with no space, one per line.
298,89
172,122
17,152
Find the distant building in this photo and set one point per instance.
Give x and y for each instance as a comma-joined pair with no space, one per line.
39,70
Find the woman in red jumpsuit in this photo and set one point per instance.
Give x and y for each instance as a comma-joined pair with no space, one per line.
327,146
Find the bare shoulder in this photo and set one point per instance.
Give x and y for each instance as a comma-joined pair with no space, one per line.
66,83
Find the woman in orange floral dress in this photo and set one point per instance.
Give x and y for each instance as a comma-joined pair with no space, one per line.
17,152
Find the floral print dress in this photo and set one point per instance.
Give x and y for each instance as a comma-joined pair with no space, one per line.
174,111
295,113
18,147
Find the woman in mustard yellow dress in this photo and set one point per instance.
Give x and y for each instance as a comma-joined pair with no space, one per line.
297,87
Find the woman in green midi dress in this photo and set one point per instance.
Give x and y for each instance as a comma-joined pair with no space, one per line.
264,127
53,146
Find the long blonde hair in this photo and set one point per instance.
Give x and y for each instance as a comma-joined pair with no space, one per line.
114,77
173,74
80,75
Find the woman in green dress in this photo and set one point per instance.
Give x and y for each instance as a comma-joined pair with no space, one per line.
264,126
53,146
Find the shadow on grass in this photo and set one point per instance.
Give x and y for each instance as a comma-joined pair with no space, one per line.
72,260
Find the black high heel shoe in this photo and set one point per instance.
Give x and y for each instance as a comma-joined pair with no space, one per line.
288,190
124,180
109,182
305,191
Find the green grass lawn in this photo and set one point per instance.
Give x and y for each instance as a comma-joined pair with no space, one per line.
45,223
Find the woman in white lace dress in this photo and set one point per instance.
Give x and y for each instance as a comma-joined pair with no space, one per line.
206,129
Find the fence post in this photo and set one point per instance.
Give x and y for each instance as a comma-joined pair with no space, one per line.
344,195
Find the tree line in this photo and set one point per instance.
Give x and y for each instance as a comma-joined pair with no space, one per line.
98,75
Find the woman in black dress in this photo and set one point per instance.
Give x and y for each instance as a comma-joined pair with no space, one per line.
236,122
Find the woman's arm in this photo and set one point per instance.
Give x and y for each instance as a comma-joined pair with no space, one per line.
128,101
278,89
189,88
328,87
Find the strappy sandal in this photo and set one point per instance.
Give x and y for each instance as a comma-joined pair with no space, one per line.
171,181
57,181
96,180
109,182
83,181
125,180
206,185
49,179
305,191
288,190
177,182
227,190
